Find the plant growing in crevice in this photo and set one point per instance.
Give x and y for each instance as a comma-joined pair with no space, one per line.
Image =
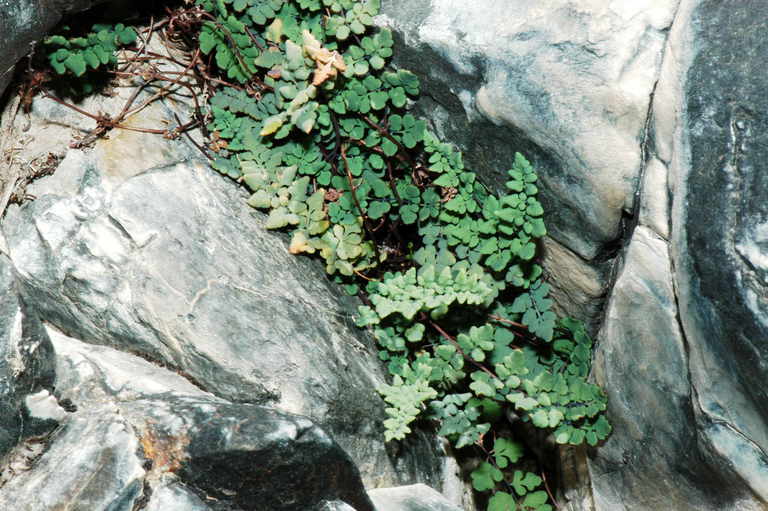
76,66
318,128
81,57
311,117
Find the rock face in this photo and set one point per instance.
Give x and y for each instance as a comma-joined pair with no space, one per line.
137,246
723,278
707,410
417,497
153,433
203,366
643,348
569,84
26,362
646,122
549,79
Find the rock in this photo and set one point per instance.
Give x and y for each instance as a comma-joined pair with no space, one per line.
139,246
336,505
642,364
42,405
646,122
26,363
654,202
681,351
263,459
91,464
417,497
175,497
568,83
27,21
575,480
720,234
137,427
578,288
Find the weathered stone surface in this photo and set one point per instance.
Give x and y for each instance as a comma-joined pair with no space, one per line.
175,497
566,82
654,198
575,480
682,351
106,257
641,362
91,464
137,436
138,246
720,232
570,85
336,505
578,288
26,21
417,497
263,459
26,363
134,426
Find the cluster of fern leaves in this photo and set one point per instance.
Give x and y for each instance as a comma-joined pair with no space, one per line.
315,122
77,57
319,130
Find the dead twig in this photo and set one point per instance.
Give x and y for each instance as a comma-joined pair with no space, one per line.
549,492
189,137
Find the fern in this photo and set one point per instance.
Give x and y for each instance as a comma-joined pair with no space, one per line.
94,50
78,61
320,132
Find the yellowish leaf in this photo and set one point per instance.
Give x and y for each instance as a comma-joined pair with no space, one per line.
275,31
328,62
272,124
300,243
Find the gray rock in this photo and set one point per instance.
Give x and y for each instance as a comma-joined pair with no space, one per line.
682,351
641,362
654,202
175,497
135,427
417,497
336,505
261,459
578,288
26,362
566,82
90,464
575,480
26,21
138,246
720,234
643,114
42,405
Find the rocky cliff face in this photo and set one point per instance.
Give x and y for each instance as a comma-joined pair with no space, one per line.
646,120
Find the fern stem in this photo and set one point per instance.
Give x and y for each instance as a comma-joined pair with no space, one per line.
455,343
360,209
